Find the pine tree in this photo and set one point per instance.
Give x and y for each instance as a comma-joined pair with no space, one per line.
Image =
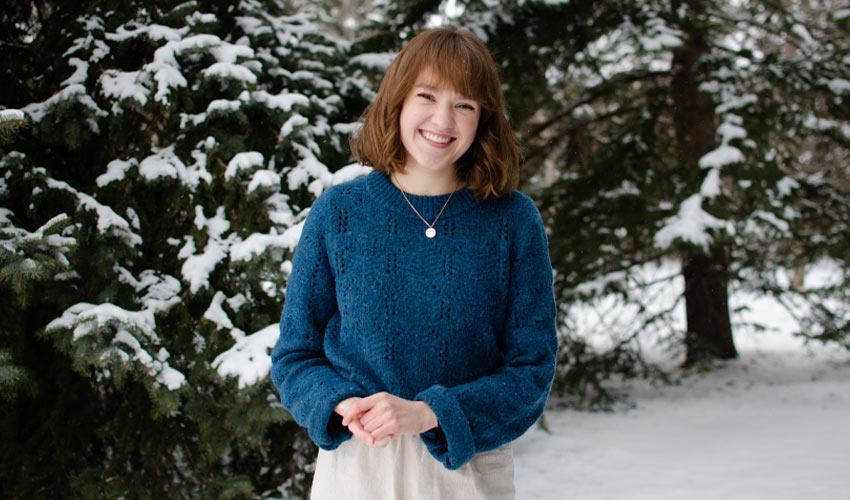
712,134
148,215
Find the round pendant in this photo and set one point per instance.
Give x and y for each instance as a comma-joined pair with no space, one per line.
430,232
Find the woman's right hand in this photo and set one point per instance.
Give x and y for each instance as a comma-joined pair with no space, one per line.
345,410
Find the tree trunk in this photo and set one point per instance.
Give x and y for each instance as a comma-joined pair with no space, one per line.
709,332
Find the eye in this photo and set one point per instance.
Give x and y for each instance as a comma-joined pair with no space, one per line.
425,96
466,106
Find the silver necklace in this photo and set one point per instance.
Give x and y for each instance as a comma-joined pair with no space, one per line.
430,232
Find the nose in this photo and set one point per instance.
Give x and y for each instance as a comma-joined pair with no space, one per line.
442,116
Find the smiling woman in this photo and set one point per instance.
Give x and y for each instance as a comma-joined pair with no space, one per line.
444,61
433,349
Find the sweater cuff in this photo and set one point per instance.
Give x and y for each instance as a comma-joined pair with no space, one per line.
327,431
451,442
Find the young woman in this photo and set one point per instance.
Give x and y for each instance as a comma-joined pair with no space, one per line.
419,315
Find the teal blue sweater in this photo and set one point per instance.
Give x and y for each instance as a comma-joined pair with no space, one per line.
464,321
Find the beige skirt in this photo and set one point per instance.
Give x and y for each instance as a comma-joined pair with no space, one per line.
405,470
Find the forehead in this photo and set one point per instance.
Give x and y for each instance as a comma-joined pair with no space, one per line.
428,78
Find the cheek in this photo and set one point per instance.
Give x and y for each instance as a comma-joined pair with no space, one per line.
470,128
403,118
408,119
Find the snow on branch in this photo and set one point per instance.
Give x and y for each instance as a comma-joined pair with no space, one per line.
243,162
819,124
157,292
165,163
264,180
252,162
44,235
691,224
115,171
125,85
660,36
838,86
10,121
108,222
249,360
723,155
155,32
229,71
106,336
284,101
165,67
375,61
81,72
217,314
12,115
259,243
28,257
726,154
349,173
117,338
197,267
72,93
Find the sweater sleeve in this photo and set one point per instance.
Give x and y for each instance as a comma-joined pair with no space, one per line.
493,410
309,386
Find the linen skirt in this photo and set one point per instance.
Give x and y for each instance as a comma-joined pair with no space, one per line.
405,470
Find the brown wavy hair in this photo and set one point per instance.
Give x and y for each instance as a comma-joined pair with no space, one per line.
490,167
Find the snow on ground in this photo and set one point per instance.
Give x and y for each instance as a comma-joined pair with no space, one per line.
771,425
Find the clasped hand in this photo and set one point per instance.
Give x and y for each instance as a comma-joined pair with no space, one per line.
376,419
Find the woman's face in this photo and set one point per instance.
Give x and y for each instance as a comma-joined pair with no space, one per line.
437,125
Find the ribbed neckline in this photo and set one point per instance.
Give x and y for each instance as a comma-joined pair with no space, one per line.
385,192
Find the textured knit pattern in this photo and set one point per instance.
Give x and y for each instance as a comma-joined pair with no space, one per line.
464,321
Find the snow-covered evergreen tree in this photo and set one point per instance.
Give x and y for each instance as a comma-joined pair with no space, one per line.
709,132
148,212
689,132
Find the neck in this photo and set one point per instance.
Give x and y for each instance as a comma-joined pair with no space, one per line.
426,183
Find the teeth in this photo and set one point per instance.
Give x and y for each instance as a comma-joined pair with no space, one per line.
436,138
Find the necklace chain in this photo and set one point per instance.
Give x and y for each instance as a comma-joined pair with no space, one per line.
430,232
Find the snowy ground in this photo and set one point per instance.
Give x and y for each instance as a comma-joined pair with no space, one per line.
774,424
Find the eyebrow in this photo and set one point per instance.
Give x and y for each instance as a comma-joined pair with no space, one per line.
433,88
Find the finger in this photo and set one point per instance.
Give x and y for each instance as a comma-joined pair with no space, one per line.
383,432
361,406
345,404
385,423
358,430
381,408
348,418
373,412
375,417
351,414
360,434
384,441
375,400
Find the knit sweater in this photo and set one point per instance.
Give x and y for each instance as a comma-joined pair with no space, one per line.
464,321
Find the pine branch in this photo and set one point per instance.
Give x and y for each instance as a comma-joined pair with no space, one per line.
11,121
29,258
14,379
592,94
574,126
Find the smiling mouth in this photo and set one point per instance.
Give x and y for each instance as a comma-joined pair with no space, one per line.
439,139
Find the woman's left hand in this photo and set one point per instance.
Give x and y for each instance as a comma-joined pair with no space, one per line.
384,415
